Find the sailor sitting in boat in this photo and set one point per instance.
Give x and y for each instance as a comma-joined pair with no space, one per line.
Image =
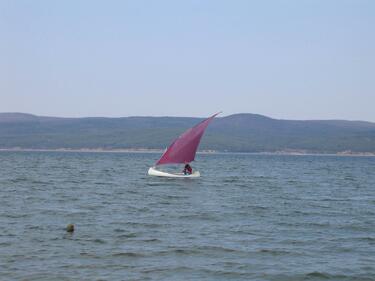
187,170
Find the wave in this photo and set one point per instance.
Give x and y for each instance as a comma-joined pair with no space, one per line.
128,254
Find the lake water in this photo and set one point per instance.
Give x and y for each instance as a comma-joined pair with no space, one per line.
249,217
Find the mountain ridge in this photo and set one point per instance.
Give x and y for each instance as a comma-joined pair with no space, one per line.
19,115
242,132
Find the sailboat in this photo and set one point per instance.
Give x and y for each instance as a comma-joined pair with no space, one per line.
182,151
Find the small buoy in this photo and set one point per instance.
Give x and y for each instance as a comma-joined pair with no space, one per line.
70,228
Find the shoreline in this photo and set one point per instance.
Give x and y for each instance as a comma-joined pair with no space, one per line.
146,150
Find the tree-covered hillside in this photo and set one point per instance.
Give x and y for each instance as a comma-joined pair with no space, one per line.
237,133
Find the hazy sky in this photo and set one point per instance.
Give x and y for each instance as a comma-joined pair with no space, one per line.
285,59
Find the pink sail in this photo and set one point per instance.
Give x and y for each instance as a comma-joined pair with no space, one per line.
183,149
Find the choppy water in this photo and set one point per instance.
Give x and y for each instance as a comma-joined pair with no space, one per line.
249,217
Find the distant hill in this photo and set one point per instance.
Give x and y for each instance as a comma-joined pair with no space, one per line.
236,133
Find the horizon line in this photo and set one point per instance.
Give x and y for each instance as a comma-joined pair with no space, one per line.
174,116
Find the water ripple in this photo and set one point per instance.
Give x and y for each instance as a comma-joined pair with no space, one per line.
264,218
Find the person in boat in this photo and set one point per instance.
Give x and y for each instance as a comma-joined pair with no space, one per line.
187,170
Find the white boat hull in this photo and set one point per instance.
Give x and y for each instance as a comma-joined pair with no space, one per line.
153,172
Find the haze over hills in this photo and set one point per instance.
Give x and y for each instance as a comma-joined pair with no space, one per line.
235,133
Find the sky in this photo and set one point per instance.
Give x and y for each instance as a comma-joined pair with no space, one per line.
285,59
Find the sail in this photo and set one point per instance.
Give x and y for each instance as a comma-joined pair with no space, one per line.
183,149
